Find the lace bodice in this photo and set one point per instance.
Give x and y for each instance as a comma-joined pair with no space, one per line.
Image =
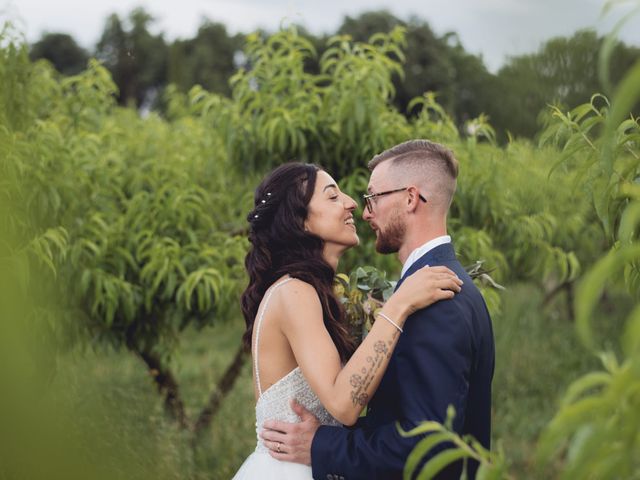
274,402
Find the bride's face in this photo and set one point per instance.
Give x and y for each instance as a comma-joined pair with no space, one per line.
331,214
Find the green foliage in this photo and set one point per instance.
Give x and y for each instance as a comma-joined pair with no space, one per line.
62,51
129,199
597,423
362,294
505,212
135,226
492,465
207,59
432,121
430,63
595,431
136,59
338,117
364,291
590,150
564,72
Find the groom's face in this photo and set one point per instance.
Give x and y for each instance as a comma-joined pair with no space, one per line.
385,217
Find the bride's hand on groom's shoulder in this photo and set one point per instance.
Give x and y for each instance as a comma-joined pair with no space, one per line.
428,285
291,442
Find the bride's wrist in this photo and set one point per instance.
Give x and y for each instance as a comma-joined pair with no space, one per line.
396,310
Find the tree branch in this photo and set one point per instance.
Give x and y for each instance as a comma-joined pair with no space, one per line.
221,390
167,386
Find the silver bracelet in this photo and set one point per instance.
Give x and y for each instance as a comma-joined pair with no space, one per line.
390,321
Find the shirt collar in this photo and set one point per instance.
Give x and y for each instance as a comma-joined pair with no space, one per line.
420,251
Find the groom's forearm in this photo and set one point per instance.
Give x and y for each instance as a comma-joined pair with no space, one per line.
357,454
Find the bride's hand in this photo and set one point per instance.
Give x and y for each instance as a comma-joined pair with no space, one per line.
426,286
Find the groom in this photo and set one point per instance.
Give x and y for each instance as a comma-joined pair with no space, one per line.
445,355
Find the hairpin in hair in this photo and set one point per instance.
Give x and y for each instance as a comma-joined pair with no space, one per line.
263,201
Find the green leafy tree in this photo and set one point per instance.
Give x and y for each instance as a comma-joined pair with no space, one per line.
208,59
131,208
431,63
136,59
564,72
594,434
338,118
595,430
62,51
143,217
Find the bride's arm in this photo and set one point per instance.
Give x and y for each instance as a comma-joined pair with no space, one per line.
344,391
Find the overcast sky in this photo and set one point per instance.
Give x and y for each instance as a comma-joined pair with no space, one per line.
495,29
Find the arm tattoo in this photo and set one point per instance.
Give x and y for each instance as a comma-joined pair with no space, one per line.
361,383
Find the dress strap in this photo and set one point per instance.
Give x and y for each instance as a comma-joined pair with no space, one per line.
257,327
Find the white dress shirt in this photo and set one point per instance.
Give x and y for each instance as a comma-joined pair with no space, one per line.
420,251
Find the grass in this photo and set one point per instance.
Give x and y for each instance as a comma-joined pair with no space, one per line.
537,356
116,385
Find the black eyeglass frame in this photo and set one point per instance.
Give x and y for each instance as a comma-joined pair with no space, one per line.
369,204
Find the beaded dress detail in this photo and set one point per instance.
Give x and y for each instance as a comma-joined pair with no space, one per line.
273,404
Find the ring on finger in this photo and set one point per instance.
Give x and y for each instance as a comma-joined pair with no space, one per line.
279,446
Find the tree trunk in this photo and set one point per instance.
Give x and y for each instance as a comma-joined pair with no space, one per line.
167,386
221,390
570,302
566,287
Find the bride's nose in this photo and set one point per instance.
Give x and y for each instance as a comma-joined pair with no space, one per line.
349,203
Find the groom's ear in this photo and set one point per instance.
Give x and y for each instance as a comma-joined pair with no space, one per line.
413,199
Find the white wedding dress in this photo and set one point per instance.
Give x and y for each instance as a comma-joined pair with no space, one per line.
273,404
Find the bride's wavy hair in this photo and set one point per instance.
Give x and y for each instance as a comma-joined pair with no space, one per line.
280,246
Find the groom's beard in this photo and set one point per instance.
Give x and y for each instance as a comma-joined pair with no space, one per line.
390,239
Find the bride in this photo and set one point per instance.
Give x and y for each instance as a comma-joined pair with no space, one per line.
301,225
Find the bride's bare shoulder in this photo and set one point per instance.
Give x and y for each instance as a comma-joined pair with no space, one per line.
297,296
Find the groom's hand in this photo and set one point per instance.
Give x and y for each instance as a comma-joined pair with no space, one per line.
291,442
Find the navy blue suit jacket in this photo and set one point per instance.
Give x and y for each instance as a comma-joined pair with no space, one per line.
445,356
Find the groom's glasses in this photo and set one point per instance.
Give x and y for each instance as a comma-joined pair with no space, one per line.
368,199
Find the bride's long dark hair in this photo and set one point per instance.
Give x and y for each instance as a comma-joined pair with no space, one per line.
280,245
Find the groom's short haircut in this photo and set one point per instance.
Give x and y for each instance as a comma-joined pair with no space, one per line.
428,164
